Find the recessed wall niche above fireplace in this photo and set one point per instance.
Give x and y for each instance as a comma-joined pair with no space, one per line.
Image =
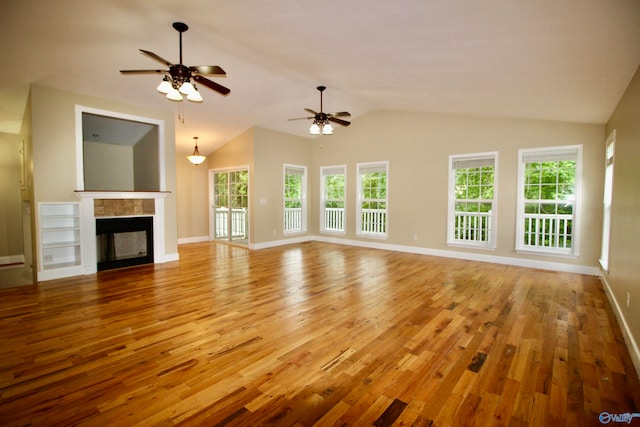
118,152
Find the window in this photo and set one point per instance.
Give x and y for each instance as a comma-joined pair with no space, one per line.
295,195
606,205
472,195
372,206
548,198
333,193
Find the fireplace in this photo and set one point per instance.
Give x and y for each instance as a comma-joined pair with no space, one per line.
124,242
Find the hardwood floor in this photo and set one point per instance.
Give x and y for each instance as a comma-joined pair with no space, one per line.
313,334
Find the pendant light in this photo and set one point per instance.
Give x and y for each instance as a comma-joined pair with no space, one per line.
196,158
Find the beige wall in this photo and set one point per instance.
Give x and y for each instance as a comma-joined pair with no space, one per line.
418,145
272,151
193,200
239,152
110,166
265,152
145,162
10,201
624,267
53,139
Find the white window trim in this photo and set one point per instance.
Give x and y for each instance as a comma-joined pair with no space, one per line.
607,202
323,199
575,238
303,201
359,199
451,241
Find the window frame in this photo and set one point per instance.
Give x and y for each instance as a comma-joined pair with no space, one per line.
472,159
360,200
302,199
607,201
555,153
324,172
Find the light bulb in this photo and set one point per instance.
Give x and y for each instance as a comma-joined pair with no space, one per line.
187,88
196,159
314,129
327,129
164,86
174,95
194,96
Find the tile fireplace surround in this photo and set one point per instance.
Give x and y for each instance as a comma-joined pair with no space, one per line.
113,204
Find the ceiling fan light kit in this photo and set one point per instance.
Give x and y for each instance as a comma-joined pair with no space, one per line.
177,80
322,121
177,83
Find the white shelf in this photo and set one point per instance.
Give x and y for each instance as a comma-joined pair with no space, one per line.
60,239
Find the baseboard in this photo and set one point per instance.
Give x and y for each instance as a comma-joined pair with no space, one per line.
282,242
197,239
629,340
168,258
520,262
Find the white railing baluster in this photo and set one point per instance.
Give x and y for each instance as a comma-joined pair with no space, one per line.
472,226
548,231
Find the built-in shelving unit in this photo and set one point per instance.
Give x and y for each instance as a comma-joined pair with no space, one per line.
60,240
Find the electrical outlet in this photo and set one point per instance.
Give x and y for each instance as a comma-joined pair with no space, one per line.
415,237
628,299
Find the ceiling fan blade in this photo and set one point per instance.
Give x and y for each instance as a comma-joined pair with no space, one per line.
208,69
156,57
302,118
211,85
143,71
339,114
339,121
309,110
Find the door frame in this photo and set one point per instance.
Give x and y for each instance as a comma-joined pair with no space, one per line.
211,219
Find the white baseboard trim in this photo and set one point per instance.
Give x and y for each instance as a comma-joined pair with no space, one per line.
11,259
168,258
632,345
197,239
275,243
543,265
520,262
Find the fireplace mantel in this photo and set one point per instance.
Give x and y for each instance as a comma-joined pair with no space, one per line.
121,194
88,215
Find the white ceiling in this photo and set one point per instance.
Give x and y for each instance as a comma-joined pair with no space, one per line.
567,60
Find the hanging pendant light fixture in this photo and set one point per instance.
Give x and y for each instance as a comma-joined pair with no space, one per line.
196,158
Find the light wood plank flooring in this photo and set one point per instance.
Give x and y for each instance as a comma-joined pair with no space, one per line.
313,334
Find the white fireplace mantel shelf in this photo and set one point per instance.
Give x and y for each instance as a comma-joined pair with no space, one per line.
88,218
122,194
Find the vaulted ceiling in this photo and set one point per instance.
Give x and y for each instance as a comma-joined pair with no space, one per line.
567,60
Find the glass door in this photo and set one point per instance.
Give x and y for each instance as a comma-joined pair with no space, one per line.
230,216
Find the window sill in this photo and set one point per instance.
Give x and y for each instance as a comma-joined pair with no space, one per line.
334,233
294,232
547,253
471,246
373,236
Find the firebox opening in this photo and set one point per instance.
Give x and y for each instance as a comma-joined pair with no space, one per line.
124,242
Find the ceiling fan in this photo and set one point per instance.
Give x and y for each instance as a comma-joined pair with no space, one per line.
321,121
177,79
